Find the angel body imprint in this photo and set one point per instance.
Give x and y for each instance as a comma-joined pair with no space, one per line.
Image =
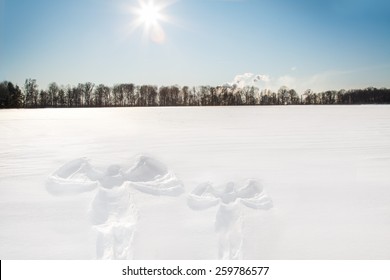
112,211
228,221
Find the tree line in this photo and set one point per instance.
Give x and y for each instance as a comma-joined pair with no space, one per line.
130,95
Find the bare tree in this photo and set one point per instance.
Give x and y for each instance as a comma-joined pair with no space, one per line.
31,93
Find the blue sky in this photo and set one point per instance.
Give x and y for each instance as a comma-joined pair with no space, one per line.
301,44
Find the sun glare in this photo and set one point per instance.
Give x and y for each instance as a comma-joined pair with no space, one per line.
149,15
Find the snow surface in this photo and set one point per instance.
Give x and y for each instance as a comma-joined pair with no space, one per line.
319,177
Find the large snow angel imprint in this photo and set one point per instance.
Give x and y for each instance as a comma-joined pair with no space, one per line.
112,210
228,222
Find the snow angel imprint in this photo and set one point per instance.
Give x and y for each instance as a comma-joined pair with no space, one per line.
112,211
228,221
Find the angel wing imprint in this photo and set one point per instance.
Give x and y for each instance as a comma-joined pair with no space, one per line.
76,176
151,176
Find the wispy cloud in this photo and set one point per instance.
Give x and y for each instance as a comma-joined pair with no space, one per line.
287,81
334,79
346,78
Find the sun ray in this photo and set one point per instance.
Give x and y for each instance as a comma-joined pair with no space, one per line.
149,14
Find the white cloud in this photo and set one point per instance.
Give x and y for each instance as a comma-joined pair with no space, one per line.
249,79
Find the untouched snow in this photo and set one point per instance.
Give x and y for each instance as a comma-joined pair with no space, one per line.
321,177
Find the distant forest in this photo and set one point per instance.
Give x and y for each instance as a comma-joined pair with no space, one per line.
130,95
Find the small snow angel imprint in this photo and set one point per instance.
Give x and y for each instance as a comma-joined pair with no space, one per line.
112,210
228,221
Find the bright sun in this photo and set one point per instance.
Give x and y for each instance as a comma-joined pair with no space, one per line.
149,14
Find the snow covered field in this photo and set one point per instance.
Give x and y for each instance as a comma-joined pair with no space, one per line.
325,172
